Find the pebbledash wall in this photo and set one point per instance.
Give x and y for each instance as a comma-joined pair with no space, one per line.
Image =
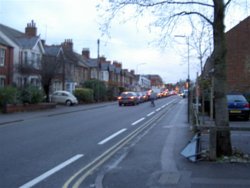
238,57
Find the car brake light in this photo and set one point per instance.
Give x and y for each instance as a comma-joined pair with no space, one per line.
247,105
131,97
119,98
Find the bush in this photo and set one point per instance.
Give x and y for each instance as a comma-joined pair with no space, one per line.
84,95
8,95
112,93
99,88
31,94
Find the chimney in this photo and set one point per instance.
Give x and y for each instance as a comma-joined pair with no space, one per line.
86,53
68,44
132,72
31,30
102,59
117,65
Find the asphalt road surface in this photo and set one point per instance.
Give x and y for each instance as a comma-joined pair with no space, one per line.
63,149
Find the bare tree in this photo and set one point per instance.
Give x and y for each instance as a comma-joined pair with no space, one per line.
200,41
169,14
49,70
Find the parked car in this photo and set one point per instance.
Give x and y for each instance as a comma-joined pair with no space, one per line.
128,97
140,96
64,97
238,106
185,93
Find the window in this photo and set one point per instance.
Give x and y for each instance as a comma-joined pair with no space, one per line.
2,80
2,56
33,56
26,57
34,82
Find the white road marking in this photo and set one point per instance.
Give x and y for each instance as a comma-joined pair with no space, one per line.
50,172
111,137
158,109
150,114
138,121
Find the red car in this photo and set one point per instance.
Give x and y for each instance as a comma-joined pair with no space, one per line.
128,97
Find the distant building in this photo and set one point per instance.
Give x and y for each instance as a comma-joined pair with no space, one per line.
143,83
156,80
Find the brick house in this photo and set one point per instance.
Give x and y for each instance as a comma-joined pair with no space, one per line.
76,70
237,58
156,80
6,63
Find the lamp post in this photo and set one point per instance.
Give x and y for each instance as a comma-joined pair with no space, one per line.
188,77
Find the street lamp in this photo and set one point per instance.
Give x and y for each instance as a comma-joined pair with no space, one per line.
188,78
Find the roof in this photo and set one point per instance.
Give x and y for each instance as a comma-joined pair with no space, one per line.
52,50
3,42
81,60
112,68
27,42
118,70
11,33
105,66
19,38
92,63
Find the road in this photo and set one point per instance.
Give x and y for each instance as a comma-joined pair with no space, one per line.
60,149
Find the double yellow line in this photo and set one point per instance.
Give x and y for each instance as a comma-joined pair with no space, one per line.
83,173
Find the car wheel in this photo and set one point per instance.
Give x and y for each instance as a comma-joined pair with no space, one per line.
120,104
68,103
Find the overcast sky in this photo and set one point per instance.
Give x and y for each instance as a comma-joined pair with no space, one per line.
78,20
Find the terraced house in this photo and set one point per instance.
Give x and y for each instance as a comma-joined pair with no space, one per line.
22,56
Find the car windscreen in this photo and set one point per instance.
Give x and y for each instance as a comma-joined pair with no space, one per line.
127,94
236,98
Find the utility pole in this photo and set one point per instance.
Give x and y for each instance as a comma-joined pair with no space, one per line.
98,49
98,69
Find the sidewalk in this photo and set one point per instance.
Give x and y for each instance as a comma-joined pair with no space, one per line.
156,162
60,109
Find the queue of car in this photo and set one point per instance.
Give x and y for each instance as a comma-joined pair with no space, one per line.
135,98
238,106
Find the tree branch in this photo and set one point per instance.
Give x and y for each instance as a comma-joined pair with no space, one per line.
144,4
184,13
227,3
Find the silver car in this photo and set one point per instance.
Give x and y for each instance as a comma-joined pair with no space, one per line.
64,97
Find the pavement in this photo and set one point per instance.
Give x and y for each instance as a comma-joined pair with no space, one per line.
172,170
156,161
60,109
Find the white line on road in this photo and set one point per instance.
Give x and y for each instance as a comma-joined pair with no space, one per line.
138,121
150,114
50,172
112,136
158,109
